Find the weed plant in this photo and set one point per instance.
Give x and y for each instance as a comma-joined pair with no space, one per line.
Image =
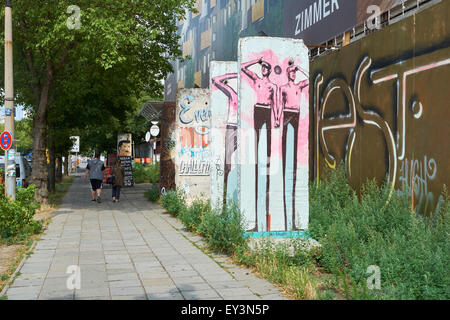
152,194
146,173
192,216
412,251
16,217
223,228
173,201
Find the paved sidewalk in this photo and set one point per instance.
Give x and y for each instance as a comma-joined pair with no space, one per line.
128,250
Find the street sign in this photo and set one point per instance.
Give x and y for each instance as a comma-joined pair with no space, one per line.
11,155
76,144
154,130
5,140
147,136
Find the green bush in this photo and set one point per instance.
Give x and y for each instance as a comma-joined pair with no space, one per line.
192,216
16,217
146,173
152,194
223,229
173,201
411,251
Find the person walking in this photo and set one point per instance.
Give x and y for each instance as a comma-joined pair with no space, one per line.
118,174
95,168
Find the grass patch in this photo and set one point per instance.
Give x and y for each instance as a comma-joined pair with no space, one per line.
356,233
146,173
410,250
152,194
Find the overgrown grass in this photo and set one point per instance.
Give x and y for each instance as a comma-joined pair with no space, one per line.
222,229
290,265
411,251
152,194
173,201
146,173
16,217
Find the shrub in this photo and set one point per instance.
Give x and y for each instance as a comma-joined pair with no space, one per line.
152,194
16,217
173,201
192,216
223,229
411,251
146,173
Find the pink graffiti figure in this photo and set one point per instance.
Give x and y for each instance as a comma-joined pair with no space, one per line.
221,82
263,111
265,90
289,108
290,93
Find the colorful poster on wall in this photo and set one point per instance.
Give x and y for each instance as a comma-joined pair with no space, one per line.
193,164
124,150
124,143
223,132
273,117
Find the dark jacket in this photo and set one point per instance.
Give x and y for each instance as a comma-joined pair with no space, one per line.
118,173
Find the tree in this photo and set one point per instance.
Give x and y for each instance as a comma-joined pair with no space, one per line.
138,35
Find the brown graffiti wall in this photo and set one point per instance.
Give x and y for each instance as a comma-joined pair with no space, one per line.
381,106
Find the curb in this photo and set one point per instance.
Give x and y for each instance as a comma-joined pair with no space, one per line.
13,276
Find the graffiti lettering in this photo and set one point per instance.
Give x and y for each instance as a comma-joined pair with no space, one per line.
415,176
195,168
411,102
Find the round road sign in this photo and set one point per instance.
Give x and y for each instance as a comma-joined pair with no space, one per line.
5,140
154,130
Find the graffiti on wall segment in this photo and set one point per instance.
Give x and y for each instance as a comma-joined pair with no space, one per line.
381,107
192,154
273,118
224,132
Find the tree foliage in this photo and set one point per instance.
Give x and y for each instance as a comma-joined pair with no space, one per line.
84,77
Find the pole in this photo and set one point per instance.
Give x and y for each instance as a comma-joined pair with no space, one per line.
10,169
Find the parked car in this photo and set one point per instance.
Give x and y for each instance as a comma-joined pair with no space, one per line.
23,170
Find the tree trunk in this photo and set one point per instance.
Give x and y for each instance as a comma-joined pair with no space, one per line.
40,171
66,164
58,176
52,165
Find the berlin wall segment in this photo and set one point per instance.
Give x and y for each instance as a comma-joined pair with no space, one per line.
224,128
192,154
380,105
273,120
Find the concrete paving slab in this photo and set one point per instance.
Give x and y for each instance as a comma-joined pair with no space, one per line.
131,250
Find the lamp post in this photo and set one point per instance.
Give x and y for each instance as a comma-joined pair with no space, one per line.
10,163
